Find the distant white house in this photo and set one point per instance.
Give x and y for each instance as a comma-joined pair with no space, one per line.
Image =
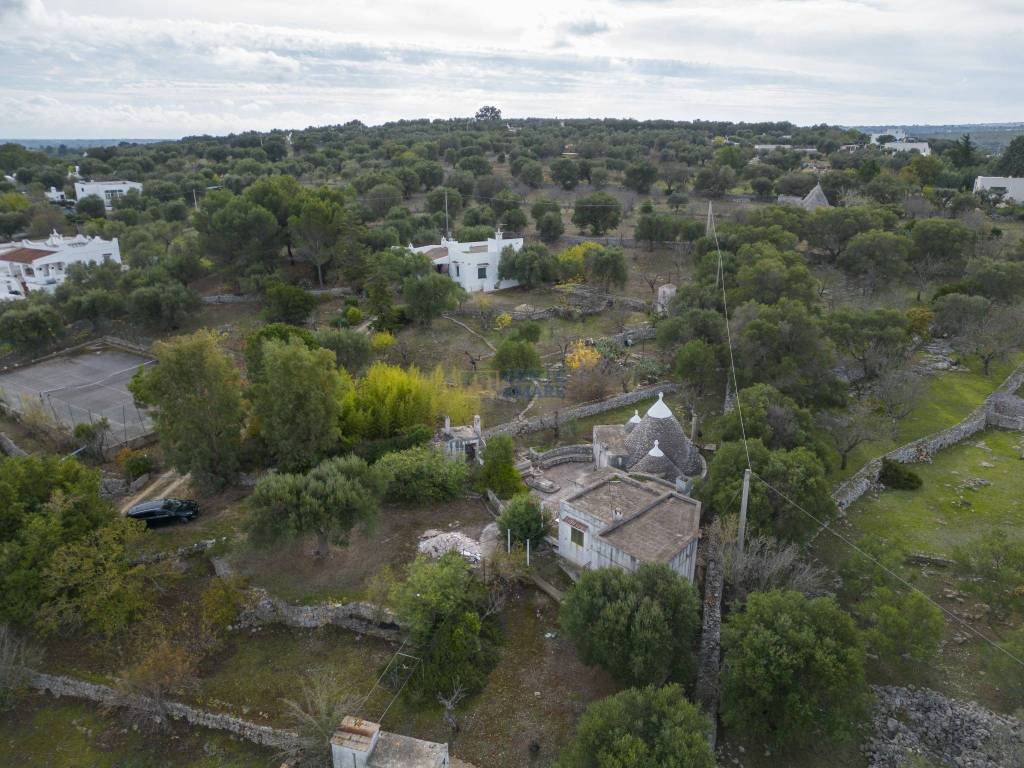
31,265
107,191
54,195
474,265
908,146
898,134
1011,188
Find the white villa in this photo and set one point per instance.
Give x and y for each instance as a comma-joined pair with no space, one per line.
908,146
107,191
1010,187
622,521
30,265
474,266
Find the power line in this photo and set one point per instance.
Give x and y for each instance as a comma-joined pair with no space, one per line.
728,333
890,572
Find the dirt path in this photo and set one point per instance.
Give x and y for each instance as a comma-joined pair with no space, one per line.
165,484
475,333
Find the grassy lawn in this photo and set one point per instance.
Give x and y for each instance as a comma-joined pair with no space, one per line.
56,733
948,398
944,513
258,669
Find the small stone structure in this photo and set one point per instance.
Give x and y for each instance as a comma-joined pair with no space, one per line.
918,721
361,743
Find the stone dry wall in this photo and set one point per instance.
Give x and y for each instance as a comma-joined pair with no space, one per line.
909,722
582,453
364,618
709,656
107,696
526,426
1000,409
10,448
187,551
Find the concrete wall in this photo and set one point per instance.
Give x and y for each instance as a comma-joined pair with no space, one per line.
103,694
582,453
526,426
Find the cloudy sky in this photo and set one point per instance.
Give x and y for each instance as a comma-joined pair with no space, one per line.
148,68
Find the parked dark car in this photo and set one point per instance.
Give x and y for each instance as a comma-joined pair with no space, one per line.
161,511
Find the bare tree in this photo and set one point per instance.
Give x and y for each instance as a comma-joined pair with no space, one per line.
766,564
324,701
992,335
450,702
897,392
849,429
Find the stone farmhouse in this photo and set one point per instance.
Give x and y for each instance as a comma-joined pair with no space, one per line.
622,521
29,265
473,265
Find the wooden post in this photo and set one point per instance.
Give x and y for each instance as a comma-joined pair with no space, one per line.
527,553
741,534
508,543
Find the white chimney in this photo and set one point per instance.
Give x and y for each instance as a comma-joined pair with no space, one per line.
447,425
476,424
353,742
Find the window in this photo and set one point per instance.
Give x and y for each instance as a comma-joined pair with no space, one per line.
481,272
457,271
576,537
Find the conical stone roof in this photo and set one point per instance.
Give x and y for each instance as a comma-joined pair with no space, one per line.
655,462
661,425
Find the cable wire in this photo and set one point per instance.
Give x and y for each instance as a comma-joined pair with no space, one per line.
891,572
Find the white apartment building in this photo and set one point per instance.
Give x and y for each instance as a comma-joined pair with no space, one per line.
107,191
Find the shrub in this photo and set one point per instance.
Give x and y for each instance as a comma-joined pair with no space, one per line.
134,463
639,626
897,476
794,669
901,626
353,315
381,341
524,518
285,303
499,471
373,450
420,475
645,727
997,567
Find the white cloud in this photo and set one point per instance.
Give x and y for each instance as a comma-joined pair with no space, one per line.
130,68
234,57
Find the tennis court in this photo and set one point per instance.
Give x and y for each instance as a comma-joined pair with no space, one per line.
83,386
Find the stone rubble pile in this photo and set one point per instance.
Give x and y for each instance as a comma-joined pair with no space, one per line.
918,721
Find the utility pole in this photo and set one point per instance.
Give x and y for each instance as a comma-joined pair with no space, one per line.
447,229
742,532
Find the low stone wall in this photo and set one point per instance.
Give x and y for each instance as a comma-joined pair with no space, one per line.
1001,409
583,452
526,426
364,618
229,298
192,549
945,731
10,448
107,696
709,656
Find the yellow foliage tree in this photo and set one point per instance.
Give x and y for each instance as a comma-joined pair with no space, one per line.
390,399
382,341
503,321
571,261
582,357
